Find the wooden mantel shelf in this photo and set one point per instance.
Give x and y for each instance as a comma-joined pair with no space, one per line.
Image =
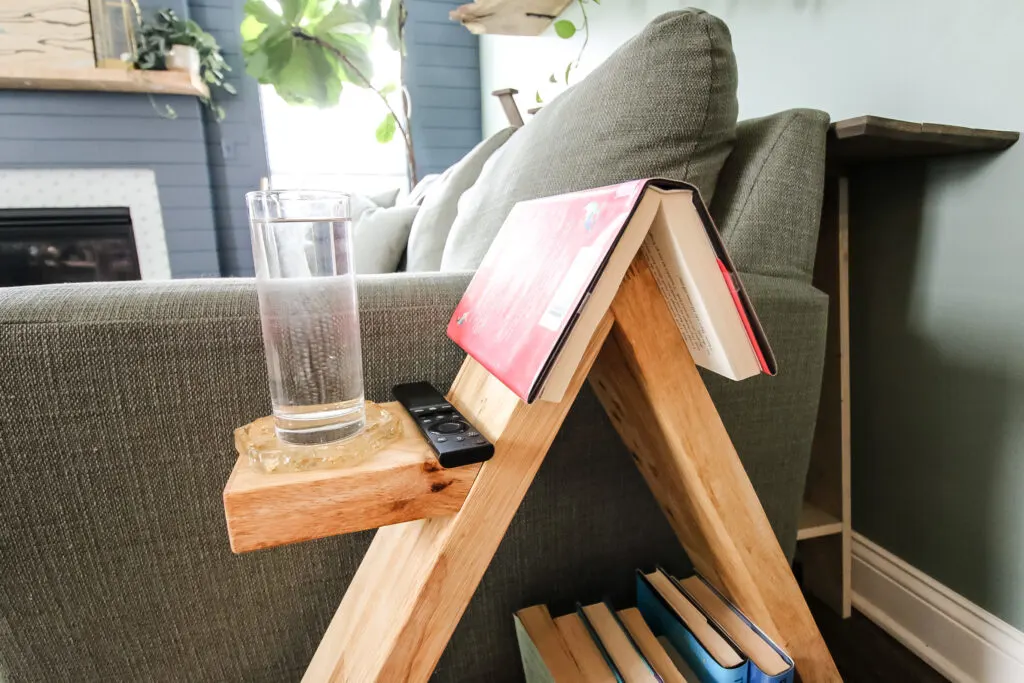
509,17
102,80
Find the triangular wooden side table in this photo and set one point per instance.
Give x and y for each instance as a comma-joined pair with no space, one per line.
418,576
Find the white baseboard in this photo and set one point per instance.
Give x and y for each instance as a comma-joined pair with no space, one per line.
960,640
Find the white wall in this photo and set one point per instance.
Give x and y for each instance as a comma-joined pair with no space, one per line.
916,60
937,254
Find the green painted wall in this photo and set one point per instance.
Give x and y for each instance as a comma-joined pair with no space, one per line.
937,277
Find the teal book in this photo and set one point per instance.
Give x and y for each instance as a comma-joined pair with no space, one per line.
545,655
670,613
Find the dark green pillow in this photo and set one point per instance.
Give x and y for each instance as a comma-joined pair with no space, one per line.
664,104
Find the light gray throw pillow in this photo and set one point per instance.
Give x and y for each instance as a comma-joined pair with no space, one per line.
441,204
380,237
664,104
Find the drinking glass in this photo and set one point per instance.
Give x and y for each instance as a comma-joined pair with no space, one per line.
302,247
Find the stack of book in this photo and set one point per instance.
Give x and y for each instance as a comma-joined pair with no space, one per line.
679,631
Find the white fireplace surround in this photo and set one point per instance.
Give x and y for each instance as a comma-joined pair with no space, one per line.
83,188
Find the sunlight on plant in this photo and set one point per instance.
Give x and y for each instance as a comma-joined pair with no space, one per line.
309,50
566,29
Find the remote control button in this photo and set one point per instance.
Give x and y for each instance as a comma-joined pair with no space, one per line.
472,434
418,411
479,442
448,428
441,439
426,420
460,438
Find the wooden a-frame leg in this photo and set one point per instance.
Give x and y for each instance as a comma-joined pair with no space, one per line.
653,393
417,578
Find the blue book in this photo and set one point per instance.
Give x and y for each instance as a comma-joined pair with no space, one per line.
669,613
768,663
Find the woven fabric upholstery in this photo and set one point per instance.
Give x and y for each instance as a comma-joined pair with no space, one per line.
118,405
768,200
115,443
664,104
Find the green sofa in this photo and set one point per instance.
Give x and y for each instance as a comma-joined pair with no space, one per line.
118,401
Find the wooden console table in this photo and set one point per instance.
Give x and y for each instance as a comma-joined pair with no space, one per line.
854,145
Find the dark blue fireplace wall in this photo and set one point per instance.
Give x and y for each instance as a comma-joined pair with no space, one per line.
235,148
200,190
442,73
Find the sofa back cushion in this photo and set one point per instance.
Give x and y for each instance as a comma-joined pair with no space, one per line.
768,201
441,201
664,104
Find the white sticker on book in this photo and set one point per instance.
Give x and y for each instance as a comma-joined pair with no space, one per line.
572,285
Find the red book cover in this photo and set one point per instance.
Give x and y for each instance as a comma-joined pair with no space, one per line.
552,254
512,319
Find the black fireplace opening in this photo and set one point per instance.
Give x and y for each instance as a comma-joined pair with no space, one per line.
48,246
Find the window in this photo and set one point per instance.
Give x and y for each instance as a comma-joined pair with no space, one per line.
335,149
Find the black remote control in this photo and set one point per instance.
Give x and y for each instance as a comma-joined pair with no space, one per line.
455,441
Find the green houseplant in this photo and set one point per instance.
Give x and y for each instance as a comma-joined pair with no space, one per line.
156,47
309,50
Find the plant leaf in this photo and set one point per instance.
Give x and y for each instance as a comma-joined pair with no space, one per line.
297,82
568,69
565,28
251,28
394,21
261,12
386,129
292,10
359,66
552,79
339,16
388,89
538,98
371,11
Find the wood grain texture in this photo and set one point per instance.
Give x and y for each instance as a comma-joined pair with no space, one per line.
544,635
507,97
55,33
873,138
417,578
828,562
651,390
509,17
403,482
33,77
815,523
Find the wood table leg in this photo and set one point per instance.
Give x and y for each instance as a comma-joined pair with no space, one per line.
827,560
417,578
654,395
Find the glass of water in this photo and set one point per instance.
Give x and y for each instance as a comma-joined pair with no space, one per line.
302,246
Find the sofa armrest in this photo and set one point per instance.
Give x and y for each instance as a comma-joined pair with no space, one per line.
117,405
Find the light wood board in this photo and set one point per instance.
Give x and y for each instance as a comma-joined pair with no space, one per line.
101,80
403,482
650,388
417,578
509,17
51,33
828,561
815,523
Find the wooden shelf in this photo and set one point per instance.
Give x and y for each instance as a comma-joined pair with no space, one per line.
509,17
102,80
815,522
401,483
874,138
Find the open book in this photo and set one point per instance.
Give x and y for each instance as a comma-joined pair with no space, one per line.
552,271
